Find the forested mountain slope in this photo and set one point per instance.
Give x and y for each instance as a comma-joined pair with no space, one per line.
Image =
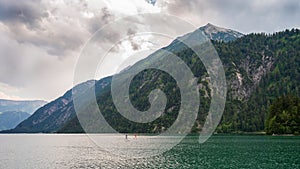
259,68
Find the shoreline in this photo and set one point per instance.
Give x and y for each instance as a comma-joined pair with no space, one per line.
153,134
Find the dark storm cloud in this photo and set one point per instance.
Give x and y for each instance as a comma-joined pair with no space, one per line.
58,29
16,14
40,41
29,12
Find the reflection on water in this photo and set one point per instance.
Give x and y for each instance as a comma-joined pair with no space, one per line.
135,146
78,151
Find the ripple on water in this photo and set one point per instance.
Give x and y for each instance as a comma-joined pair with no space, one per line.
78,151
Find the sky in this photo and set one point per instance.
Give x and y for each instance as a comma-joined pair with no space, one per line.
41,40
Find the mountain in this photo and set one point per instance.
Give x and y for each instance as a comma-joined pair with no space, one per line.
13,112
21,106
55,114
11,119
152,2
265,67
258,67
220,34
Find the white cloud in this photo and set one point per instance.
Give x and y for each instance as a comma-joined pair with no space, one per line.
131,7
246,16
10,92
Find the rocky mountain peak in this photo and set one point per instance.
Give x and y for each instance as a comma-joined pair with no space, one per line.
220,34
152,2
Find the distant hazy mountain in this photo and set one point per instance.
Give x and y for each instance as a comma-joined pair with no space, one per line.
21,106
11,119
55,114
13,112
221,34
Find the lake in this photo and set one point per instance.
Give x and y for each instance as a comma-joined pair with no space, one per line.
220,151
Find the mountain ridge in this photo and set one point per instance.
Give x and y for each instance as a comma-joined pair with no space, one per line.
219,33
246,71
252,64
10,119
28,106
52,116
12,112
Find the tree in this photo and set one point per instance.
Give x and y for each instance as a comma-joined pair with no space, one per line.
284,116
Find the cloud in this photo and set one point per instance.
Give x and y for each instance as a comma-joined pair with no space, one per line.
245,16
32,22
9,97
56,26
40,40
10,92
32,71
99,20
134,45
29,12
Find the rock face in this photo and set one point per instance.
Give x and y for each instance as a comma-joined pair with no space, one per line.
244,74
252,71
220,34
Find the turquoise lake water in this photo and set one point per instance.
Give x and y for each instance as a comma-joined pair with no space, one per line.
78,151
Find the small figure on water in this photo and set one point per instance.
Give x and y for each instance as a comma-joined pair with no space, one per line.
126,136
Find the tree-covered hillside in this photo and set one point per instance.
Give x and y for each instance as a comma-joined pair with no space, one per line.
284,116
259,68
281,51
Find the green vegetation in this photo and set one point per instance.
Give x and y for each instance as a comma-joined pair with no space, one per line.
282,78
259,68
284,116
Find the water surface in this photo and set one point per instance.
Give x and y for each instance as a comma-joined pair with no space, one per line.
78,151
